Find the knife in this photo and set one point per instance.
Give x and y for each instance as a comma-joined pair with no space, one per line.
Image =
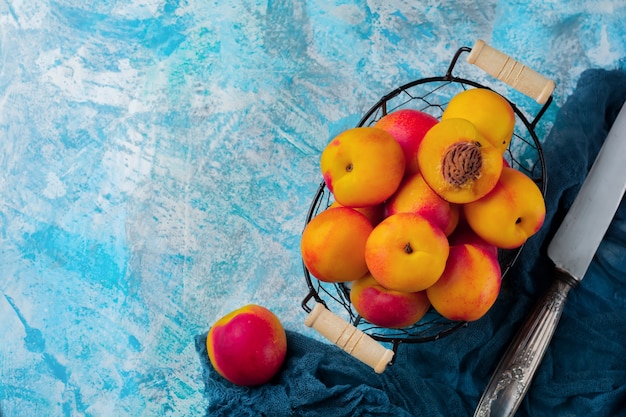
571,249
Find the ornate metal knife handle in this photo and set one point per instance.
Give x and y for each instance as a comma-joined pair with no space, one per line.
515,372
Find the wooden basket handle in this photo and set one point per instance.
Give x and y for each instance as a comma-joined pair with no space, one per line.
511,72
349,338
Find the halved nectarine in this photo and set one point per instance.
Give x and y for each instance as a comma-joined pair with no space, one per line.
457,162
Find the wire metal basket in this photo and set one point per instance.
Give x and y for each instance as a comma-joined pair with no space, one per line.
431,95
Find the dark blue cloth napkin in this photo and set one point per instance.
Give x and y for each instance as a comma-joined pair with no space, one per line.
584,370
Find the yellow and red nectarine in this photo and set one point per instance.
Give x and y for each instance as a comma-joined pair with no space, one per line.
408,127
511,213
333,244
247,346
406,252
491,113
387,308
469,285
414,195
362,166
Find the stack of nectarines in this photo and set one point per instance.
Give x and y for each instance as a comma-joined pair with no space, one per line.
421,208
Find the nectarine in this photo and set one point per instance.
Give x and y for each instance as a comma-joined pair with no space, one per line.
247,346
406,252
387,308
415,196
491,113
457,162
362,166
469,285
408,127
511,213
333,244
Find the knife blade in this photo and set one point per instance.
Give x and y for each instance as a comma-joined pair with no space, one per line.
572,249
594,207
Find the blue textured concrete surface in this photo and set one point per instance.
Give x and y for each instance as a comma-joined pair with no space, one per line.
158,158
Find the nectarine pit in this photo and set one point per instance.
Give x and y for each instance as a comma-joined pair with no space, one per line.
462,163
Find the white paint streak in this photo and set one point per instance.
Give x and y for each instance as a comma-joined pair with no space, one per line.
54,187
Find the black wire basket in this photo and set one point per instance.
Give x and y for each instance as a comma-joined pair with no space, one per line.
431,95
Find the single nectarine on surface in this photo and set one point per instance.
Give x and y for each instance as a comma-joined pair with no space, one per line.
457,162
511,213
415,196
387,308
333,244
469,285
406,252
247,346
362,166
491,113
408,127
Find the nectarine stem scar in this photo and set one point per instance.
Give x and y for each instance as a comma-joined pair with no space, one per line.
408,248
349,168
462,163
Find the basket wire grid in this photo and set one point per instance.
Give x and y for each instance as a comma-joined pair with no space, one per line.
430,95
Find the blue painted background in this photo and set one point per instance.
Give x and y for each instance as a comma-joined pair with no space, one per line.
157,159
